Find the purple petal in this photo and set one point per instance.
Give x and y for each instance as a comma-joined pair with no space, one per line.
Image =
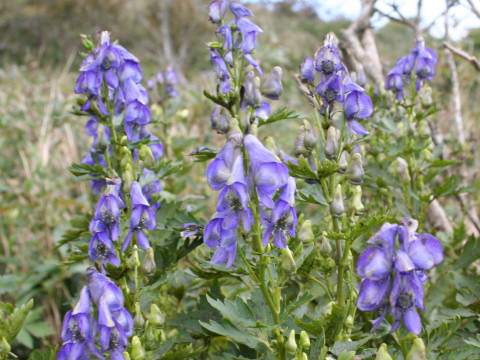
420,255
434,247
412,321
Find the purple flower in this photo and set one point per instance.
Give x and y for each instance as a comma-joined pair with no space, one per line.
249,32
114,321
263,112
224,240
327,60
283,217
357,106
217,10
406,265
238,10
142,218
78,331
331,89
272,87
266,173
219,172
307,69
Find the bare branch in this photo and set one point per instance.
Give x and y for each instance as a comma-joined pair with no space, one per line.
474,9
463,54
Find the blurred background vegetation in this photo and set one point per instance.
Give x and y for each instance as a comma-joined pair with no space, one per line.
39,61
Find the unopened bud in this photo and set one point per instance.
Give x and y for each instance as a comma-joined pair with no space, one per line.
417,352
138,352
349,321
306,140
325,247
382,353
272,87
126,355
327,264
156,317
148,265
304,340
331,144
336,207
288,262
124,140
357,200
253,129
151,333
128,176
402,170
145,154
355,173
270,144
327,310
427,155
426,98
346,355
423,129
5,346
342,163
257,94
220,119
306,233
138,320
234,127
304,356
134,259
291,346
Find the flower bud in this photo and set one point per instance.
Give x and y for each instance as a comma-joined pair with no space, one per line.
253,129
138,320
304,356
327,264
291,346
270,144
346,355
151,334
304,340
402,170
357,200
336,207
349,321
272,87
426,98
325,247
305,234
288,262
124,140
126,355
331,144
148,265
400,128
137,352
327,310
417,352
256,93
145,154
5,346
220,119
156,317
382,353
423,129
128,176
342,163
355,173
306,140
427,155
233,127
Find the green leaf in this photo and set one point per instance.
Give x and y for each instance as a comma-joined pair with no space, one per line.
11,326
341,346
470,253
88,172
312,193
282,114
292,305
203,154
473,342
302,170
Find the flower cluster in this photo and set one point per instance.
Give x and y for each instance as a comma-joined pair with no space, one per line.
421,59
117,103
113,324
336,86
266,175
167,83
405,265
239,41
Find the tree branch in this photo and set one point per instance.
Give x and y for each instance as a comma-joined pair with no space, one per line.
463,54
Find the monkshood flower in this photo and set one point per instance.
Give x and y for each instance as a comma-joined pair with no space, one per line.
217,10
266,173
421,59
336,86
405,264
142,218
357,106
97,185
223,240
114,322
151,188
283,217
79,330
